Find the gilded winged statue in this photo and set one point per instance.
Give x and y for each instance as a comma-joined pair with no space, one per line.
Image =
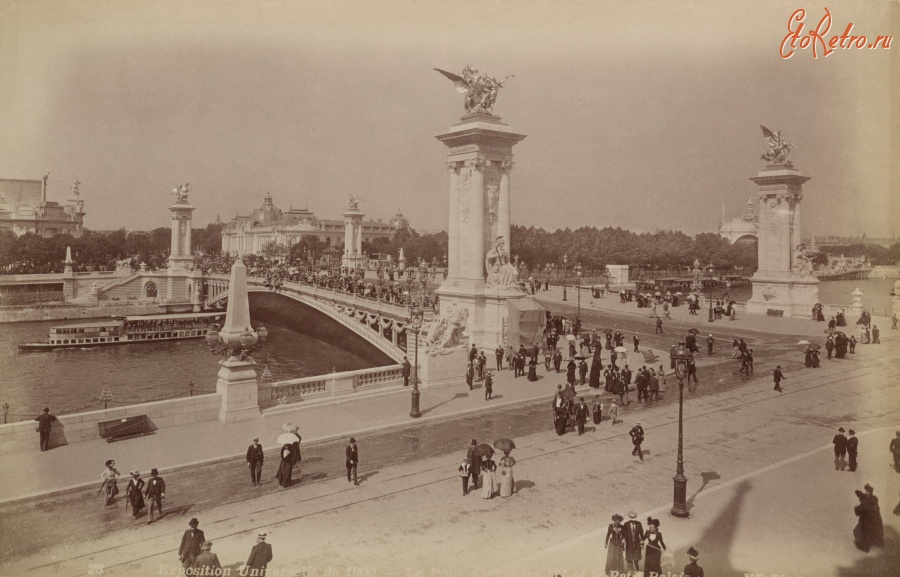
779,148
480,89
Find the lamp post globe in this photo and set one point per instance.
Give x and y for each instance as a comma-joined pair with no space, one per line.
680,355
565,273
416,318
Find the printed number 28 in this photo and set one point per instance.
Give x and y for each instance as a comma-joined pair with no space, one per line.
95,569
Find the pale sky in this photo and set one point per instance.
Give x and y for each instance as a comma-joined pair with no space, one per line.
643,115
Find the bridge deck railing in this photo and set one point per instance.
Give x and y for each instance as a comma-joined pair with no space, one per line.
272,395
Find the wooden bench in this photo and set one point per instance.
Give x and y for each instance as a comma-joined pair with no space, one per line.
649,357
775,313
124,428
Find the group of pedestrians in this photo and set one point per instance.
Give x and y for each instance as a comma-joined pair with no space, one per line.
196,556
496,478
626,542
137,493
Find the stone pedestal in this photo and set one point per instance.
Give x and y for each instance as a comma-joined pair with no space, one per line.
353,229
618,273
238,387
779,283
479,161
443,369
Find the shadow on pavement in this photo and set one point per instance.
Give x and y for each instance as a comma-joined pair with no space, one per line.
523,485
453,398
707,477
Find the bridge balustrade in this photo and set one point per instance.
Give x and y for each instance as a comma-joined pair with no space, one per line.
322,386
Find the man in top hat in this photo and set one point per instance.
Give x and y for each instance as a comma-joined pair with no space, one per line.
191,542
260,556
45,423
777,376
581,415
637,437
352,453
156,492
852,449
206,562
634,534
474,463
692,569
840,449
255,458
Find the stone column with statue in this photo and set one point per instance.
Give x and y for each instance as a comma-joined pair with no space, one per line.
353,223
783,280
481,277
181,255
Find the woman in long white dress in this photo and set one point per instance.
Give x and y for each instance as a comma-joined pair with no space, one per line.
505,471
488,483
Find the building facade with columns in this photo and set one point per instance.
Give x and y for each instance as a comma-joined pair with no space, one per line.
268,223
24,208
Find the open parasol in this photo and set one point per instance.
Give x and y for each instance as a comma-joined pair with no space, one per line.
815,346
504,444
621,350
607,331
580,357
287,439
678,294
803,342
693,331
567,394
570,338
484,450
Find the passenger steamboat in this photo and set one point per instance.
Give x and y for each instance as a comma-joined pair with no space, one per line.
126,330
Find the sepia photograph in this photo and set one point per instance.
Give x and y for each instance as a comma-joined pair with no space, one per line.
406,288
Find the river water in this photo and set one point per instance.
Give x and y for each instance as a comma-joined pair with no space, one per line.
69,380
876,294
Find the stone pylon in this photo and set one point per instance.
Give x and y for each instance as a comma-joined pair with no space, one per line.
237,379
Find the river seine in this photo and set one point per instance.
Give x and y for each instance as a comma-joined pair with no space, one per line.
70,380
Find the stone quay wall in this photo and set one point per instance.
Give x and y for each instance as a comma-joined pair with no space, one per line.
77,313
81,427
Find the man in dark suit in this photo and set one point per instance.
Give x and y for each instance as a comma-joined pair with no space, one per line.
260,556
191,542
155,493
777,376
474,463
582,371
255,458
473,352
852,448
352,452
45,423
407,368
634,534
637,437
840,449
498,353
581,415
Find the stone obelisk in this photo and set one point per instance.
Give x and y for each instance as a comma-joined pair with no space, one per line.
479,162
783,280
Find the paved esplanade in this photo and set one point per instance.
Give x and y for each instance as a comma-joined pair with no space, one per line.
766,506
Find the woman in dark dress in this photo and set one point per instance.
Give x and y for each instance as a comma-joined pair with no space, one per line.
286,468
594,376
615,546
597,410
532,369
655,546
134,492
876,525
570,372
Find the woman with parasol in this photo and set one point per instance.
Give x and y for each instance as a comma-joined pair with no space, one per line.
655,546
505,471
109,476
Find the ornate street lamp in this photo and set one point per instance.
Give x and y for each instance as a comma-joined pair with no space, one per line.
680,355
416,315
578,270
565,273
